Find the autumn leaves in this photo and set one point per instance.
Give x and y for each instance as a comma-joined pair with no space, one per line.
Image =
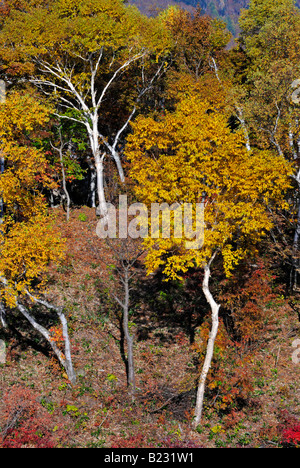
100,64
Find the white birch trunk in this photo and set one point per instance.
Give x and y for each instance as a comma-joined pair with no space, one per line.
68,357
210,346
2,315
64,359
93,179
93,188
129,339
64,183
99,165
102,209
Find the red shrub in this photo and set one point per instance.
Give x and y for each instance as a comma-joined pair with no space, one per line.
251,299
291,436
27,422
289,429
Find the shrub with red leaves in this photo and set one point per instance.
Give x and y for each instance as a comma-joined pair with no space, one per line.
27,422
291,436
289,429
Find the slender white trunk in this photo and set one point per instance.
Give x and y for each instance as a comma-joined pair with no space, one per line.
239,114
68,358
129,339
291,141
102,207
117,159
64,183
93,188
210,346
2,315
93,179
64,359
99,165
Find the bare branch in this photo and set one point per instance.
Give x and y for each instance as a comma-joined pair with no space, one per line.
116,73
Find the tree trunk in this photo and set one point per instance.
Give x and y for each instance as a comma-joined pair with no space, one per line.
117,159
210,346
65,360
129,339
99,164
64,183
93,188
2,315
93,179
239,115
102,207
68,358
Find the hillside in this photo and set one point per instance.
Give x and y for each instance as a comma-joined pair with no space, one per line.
226,10
150,230
98,412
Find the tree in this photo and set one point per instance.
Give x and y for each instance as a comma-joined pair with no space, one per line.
197,38
29,241
126,253
76,52
270,33
191,156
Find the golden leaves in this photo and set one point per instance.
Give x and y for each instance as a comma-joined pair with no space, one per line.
191,155
28,238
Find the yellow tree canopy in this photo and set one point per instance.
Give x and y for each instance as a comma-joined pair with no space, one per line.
27,239
192,156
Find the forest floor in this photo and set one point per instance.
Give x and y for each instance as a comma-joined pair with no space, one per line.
97,411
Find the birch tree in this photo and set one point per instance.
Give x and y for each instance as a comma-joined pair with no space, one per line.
270,33
28,241
191,156
126,254
76,52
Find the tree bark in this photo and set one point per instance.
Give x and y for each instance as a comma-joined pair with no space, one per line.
2,315
93,187
68,358
64,359
210,346
102,209
129,339
64,183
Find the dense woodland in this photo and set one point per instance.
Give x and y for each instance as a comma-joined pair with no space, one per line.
131,342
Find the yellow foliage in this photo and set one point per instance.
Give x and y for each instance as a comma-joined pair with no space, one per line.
28,238
192,156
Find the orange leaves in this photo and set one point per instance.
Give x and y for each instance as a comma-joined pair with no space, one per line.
56,335
196,37
229,380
